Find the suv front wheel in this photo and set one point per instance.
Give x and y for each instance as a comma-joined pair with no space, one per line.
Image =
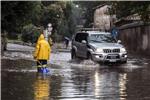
89,56
73,54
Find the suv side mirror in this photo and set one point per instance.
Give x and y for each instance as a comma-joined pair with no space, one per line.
83,41
119,41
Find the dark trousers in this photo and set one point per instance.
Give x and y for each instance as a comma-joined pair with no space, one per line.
41,63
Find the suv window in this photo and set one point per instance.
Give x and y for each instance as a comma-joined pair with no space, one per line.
102,38
81,36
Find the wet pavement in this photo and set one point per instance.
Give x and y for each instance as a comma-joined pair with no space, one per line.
72,79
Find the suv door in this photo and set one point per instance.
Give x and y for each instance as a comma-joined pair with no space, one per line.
81,47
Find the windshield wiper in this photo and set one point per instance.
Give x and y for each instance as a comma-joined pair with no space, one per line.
96,41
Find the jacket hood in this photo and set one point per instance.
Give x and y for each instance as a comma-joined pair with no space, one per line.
41,37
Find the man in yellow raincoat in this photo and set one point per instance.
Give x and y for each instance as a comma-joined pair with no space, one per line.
42,52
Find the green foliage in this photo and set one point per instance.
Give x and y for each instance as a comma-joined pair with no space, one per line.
126,8
37,14
52,14
13,36
16,14
24,16
88,10
67,22
63,28
69,17
30,33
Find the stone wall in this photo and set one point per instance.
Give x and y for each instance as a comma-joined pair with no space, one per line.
136,38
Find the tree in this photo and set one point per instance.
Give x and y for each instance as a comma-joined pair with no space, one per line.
124,9
67,24
52,14
69,16
37,13
16,14
30,33
88,10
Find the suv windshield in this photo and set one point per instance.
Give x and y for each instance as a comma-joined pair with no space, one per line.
101,38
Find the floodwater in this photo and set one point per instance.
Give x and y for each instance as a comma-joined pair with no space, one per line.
73,80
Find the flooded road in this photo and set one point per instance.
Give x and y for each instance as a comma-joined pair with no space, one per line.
72,80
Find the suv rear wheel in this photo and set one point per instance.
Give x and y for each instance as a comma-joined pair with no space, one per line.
124,62
73,54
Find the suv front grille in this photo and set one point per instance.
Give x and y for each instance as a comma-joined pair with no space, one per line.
113,57
111,50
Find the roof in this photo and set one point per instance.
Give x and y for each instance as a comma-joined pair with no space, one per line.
129,19
89,29
101,5
95,32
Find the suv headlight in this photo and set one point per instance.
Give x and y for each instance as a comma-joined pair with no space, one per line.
99,50
123,50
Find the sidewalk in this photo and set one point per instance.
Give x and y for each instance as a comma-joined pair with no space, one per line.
60,47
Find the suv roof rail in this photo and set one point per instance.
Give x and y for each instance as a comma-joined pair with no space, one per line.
89,29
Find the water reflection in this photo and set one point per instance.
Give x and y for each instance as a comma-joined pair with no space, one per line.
75,81
122,85
110,84
96,76
100,83
107,85
42,87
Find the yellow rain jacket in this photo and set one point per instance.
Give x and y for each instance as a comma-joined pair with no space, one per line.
42,50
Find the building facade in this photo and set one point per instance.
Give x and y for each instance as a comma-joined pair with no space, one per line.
102,18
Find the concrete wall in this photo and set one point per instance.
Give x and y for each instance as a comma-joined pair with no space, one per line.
136,38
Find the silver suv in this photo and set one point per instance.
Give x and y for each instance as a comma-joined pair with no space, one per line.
98,46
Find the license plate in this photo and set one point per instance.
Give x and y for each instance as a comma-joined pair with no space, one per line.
112,60
113,57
